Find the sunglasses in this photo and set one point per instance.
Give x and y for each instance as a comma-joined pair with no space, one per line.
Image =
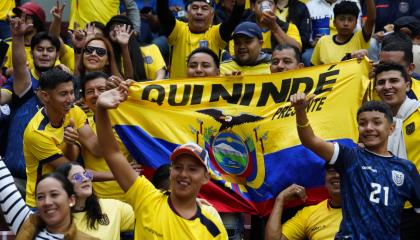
78,177
99,51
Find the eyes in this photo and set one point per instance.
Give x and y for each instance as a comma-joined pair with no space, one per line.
382,82
42,49
92,91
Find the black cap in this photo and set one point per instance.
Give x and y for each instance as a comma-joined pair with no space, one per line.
409,22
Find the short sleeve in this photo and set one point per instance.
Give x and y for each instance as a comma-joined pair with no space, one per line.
139,192
79,117
293,32
42,147
363,43
68,58
216,38
295,227
176,32
153,60
127,217
316,55
341,157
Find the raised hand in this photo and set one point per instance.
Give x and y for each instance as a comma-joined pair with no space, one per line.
114,97
113,82
78,36
123,34
18,25
293,192
57,10
300,100
71,135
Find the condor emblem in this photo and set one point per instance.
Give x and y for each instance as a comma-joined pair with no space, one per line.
398,178
410,128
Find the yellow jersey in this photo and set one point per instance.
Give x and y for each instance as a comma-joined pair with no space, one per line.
153,60
118,217
86,11
157,219
229,66
183,42
6,7
327,50
319,222
42,144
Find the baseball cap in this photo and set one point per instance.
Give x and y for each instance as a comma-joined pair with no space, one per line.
193,150
409,22
248,29
212,3
31,8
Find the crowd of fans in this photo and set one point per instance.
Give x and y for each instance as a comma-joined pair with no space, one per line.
66,175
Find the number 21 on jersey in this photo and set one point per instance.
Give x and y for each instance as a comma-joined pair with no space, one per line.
375,195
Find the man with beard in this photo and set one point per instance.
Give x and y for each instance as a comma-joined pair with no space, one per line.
197,32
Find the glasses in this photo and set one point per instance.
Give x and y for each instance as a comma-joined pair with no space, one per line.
99,51
78,177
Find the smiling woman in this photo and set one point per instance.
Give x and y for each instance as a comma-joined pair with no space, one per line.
54,198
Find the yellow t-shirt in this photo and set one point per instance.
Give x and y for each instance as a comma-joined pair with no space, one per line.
328,51
156,219
153,60
319,222
415,87
86,11
42,144
183,42
105,189
6,7
119,218
229,66
292,31
68,58
30,60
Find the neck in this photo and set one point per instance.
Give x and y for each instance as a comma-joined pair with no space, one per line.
80,204
62,227
187,208
342,38
56,119
335,200
380,150
396,108
282,3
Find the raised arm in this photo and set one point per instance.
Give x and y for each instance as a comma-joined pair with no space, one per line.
12,204
273,228
123,172
133,14
306,135
123,35
227,27
370,19
21,76
166,19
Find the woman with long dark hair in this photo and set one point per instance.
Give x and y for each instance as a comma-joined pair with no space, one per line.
102,218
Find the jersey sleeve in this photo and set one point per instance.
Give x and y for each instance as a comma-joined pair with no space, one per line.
295,227
216,37
68,58
42,147
293,32
176,32
79,117
415,188
316,55
341,157
363,43
139,192
127,217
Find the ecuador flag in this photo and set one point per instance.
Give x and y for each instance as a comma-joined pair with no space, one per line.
247,125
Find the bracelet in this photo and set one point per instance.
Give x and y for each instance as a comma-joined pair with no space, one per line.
303,126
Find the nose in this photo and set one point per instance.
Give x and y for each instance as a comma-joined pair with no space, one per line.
387,85
369,126
47,200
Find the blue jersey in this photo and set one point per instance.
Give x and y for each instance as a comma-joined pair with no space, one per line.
23,108
374,189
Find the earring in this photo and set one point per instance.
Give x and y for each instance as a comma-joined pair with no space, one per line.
71,205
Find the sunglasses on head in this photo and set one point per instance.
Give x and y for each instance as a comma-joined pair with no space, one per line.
99,51
78,177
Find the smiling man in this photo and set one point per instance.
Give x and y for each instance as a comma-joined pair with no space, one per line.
197,32
248,59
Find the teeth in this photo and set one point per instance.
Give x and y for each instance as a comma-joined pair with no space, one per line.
183,183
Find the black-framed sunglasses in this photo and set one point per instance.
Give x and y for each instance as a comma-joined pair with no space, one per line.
99,51
78,177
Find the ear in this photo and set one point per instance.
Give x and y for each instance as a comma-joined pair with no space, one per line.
72,200
206,178
391,128
45,97
410,68
300,65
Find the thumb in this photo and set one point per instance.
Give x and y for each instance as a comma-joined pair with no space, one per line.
71,124
310,97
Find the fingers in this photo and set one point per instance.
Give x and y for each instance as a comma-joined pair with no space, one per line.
71,124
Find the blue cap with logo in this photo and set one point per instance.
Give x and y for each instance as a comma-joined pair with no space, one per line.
248,29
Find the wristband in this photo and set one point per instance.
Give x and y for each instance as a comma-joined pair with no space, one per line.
303,125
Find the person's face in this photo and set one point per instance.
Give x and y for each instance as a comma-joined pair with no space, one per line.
93,89
246,49
59,99
44,55
345,24
228,5
187,176
95,56
391,88
284,60
257,7
81,180
396,57
200,16
53,203
202,65
374,129
332,181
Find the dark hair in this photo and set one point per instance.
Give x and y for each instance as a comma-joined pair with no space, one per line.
112,67
51,78
41,36
346,7
378,106
161,174
90,76
391,66
254,1
92,207
100,26
65,183
281,47
133,47
399,42
207,51
293,16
